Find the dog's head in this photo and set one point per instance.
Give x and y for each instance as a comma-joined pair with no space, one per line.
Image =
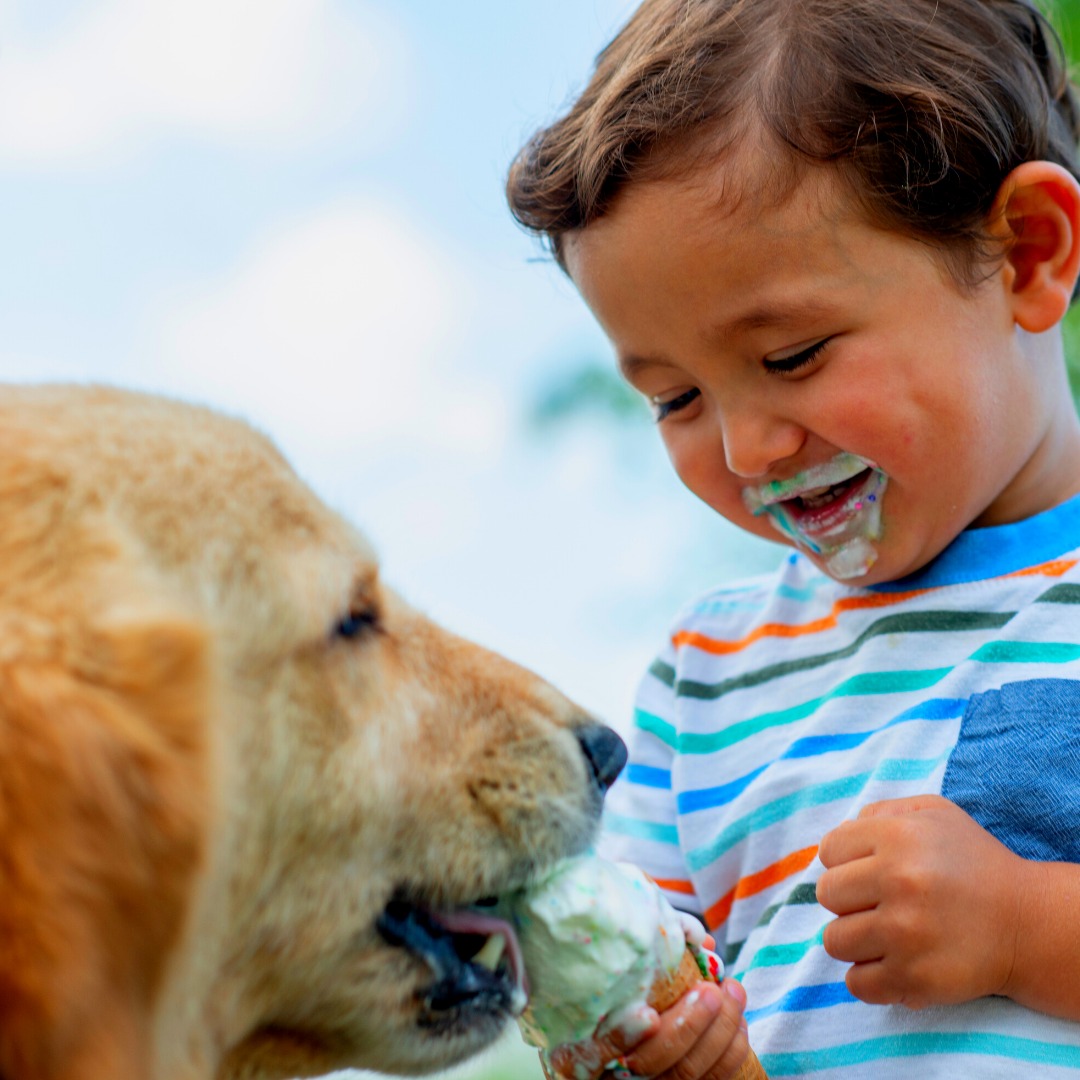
253,808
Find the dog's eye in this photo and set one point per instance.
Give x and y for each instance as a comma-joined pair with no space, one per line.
360,620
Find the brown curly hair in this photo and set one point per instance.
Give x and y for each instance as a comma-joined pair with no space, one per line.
924,105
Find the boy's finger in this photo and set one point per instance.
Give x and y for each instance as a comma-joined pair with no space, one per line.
850,840
692,1034
849,887
589,1058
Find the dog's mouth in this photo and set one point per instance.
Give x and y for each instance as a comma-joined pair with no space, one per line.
477,970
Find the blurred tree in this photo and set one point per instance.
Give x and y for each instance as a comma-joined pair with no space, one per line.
592,387
1065,14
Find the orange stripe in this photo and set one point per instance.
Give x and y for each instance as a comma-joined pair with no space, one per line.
719,647
787,630
755,883
684,887
1051,569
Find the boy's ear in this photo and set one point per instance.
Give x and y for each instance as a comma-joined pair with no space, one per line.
1037,211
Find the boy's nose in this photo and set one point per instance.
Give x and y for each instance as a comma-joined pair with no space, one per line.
755,441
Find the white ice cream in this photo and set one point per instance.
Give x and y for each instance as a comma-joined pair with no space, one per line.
594,936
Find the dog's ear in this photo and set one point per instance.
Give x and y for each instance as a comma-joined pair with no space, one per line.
104,793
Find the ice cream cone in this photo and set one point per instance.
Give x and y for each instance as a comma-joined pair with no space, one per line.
593,935
670,987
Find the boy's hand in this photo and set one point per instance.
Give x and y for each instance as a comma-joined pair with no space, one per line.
701,1037
928,904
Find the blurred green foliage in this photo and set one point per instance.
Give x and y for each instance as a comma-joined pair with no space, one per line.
1065,14
590,389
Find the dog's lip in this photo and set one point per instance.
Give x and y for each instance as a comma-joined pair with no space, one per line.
450,942
470,921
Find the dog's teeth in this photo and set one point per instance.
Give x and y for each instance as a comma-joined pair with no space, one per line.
491,952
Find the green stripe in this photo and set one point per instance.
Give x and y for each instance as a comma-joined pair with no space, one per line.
805,893
778,955
868,683
897,769
639,829
1027,652
1061,594
663,671
920,1045
909,622
654,725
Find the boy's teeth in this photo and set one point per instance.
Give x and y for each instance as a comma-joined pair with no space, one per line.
491,952
819,497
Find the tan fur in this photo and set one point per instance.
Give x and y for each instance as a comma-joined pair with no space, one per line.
206,798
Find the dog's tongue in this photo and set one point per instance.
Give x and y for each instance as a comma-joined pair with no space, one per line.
488,926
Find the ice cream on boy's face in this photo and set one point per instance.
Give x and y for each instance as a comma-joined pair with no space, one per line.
832,510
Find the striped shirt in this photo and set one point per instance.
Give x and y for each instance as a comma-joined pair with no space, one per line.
781,707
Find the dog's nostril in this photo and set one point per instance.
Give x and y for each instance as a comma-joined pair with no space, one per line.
604,751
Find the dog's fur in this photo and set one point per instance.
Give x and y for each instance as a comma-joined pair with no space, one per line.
211,786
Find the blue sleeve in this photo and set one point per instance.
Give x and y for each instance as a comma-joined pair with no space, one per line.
1016,767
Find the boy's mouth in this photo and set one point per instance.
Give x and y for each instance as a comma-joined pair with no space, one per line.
832,510
823,508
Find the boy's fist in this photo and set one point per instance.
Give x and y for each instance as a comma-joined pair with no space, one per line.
928,904
701,1037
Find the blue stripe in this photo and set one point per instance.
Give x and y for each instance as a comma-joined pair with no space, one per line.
647,776
919,1045
639,829
788,592
998,549
806,798
804,998
934,709
705,798
708,798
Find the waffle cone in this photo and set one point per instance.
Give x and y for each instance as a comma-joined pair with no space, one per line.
668,988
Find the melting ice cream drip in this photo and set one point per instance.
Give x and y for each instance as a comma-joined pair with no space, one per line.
595,935
845,536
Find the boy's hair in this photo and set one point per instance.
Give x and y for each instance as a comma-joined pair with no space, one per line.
924,105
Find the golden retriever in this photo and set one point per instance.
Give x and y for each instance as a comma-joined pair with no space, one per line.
252,806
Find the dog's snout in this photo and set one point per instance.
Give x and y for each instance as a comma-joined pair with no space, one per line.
604,751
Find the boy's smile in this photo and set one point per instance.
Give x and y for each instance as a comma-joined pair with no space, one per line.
832,510
800,360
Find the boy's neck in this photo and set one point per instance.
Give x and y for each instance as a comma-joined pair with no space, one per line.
1052,472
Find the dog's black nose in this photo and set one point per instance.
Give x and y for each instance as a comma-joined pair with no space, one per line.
604,751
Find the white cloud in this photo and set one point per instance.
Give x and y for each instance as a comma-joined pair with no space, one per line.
266,71
339,331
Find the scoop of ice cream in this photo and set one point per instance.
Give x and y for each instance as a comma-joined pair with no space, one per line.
594,937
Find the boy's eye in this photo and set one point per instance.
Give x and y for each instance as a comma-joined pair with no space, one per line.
662,409
784,365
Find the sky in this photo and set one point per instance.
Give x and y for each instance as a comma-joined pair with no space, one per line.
293,210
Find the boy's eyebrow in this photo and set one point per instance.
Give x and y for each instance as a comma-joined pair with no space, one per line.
789,313
629,366
764,317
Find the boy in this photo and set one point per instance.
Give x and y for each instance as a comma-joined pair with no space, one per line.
832,242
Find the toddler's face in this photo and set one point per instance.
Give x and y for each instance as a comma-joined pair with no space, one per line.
800,361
